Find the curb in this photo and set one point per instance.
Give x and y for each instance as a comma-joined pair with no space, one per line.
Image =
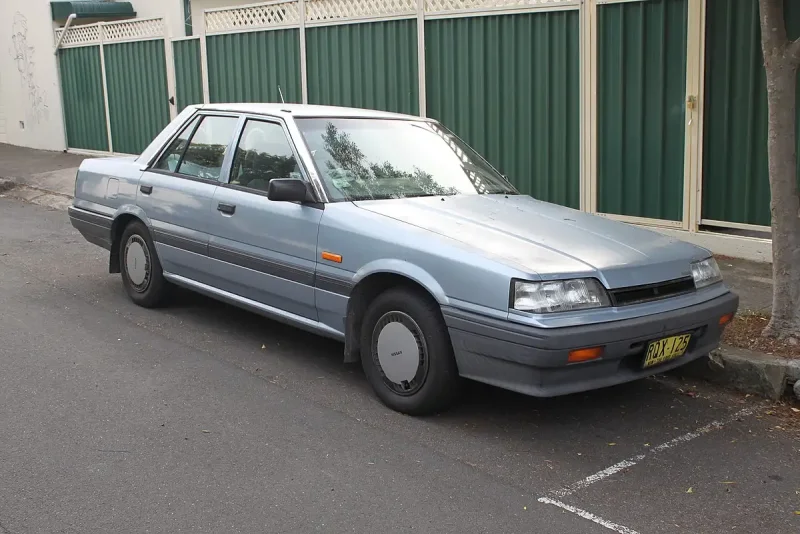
6,185
747,371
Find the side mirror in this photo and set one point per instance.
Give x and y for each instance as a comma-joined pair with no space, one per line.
288,190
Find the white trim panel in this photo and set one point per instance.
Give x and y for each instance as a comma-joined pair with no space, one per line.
735,225
748,248
646,221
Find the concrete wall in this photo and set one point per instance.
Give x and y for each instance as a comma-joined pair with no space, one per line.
30,98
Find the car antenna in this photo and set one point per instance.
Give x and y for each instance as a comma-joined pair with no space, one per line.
281,93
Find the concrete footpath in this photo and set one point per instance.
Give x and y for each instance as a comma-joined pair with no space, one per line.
48,179
39,176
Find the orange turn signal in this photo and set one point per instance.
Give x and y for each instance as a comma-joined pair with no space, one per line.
725,319
582,355
330,256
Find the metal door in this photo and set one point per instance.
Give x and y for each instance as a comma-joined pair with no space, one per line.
176,194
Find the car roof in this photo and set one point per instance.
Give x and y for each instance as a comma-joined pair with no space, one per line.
303,110
271,109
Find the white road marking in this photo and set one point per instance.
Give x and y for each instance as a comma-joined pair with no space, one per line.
630,462
600,475
588,515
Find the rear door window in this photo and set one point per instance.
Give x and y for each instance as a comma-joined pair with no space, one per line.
205,152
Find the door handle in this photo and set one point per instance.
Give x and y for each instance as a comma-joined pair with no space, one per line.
227,209
146,189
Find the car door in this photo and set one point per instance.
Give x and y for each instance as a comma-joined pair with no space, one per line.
264,250
176,192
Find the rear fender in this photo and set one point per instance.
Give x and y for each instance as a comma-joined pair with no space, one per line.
122,217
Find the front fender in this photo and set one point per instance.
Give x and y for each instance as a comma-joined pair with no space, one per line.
409,270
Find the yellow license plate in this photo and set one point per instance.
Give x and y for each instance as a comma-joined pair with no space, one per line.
666,349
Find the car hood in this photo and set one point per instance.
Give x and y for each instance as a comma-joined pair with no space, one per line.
545,239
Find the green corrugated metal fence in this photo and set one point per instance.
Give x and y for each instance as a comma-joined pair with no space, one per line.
735,167
188,76
368,65
138,103
249,67
641,110
509,85
82,94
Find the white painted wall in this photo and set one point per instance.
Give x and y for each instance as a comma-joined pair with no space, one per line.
170,10
30,97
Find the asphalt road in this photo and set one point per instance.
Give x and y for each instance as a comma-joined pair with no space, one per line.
204,418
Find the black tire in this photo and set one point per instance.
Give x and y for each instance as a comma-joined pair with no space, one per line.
436,384
151,292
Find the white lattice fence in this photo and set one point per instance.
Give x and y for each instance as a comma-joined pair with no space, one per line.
283,13
324,10
110,32
251,17
80,35
129,30
443,6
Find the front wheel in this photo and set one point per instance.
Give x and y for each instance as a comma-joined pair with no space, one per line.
141,271
406,353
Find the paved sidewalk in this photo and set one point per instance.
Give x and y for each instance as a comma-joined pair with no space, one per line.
43,177
16,161
751,280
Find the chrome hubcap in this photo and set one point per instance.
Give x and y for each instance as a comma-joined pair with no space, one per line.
400,352
137,263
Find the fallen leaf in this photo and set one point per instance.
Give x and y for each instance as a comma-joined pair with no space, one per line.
797,512
690,490
770,412
611,444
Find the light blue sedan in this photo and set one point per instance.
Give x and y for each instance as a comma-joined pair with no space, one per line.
389,233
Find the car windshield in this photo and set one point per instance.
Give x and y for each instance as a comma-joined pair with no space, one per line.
367,159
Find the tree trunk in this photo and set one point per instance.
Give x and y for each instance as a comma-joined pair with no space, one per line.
784,204
781,61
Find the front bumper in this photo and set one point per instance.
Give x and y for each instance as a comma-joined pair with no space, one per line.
533,360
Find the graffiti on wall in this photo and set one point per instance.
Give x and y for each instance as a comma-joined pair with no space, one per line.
23,53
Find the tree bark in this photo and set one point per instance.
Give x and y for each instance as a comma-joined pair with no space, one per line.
781,60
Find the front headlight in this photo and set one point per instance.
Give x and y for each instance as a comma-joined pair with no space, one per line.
705,273
559,295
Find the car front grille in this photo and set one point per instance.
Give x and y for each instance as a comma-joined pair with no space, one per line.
625,296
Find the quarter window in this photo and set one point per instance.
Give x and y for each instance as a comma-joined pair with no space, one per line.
172,157
263,153
203,156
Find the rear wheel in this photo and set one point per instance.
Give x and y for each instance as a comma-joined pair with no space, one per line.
406,353
141,271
